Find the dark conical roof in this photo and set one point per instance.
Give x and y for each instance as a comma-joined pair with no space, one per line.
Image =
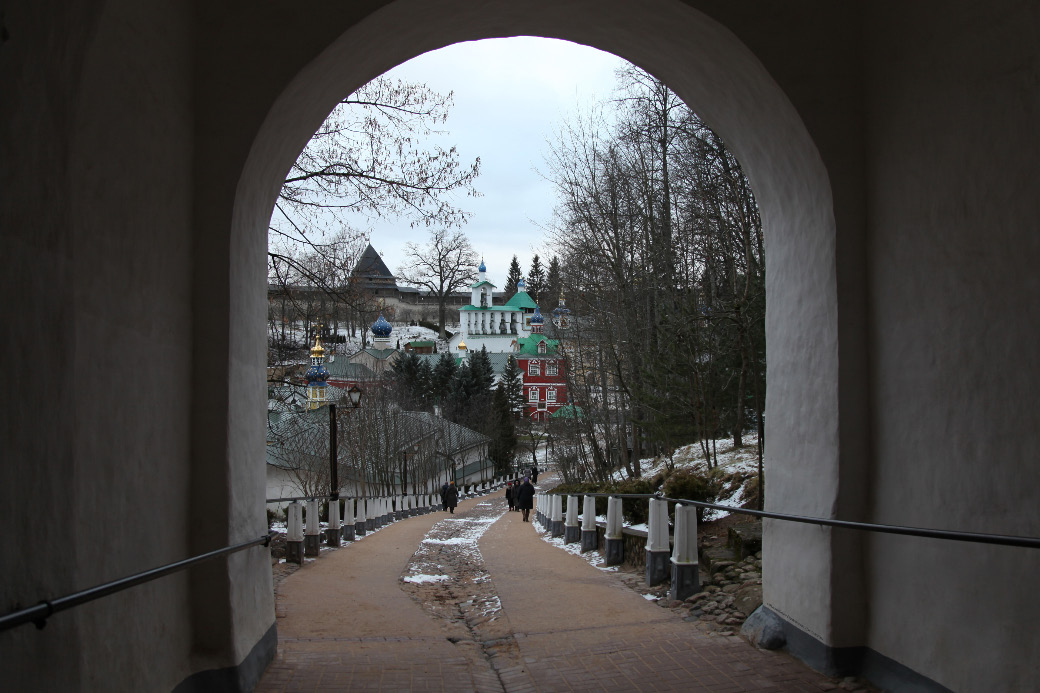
371,266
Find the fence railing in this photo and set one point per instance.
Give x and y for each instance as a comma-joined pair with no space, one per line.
42,611
952,535
678,556
45,609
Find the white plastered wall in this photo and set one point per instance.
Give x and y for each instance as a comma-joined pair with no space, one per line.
893,153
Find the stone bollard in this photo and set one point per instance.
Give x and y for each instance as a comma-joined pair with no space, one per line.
657,549
686,579
312,537
589,535
571,528
294,533
332,533
370,515
360,521
378,513
556,515
405,507
614,542
348,528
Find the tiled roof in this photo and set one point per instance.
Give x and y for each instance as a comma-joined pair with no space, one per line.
371,265
522,299
529,345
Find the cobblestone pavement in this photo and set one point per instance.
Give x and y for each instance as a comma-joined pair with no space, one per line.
476,601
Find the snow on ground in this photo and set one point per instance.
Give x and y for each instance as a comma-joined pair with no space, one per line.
730,460
594,558
744,459
420,579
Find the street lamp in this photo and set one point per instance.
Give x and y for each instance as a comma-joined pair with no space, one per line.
354,398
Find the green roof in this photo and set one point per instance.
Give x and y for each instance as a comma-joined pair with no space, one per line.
567,411
483,283
502,309
421,343
521,299
529,345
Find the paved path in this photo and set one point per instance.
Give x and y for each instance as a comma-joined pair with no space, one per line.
516,615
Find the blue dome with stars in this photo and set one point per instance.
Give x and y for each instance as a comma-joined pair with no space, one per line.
381,328
316,375
482,268
537,318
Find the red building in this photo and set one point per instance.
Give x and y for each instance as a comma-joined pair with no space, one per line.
543,366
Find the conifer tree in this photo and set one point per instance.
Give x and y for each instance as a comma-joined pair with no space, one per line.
536,279
483,372
513,278
503,432
513,382
443,373
553,284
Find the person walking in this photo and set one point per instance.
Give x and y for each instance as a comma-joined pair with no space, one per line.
534,474
510,491
451,498
525,498
444,495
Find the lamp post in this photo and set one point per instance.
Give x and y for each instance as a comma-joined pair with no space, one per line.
354,398
333,537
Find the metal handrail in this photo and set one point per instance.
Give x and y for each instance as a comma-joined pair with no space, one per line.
309,498
951,535
41,612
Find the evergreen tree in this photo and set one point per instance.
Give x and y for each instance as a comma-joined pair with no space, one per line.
482,371
406,380
513,382
513,278
503,433
553,284
423,383
536,279
441,379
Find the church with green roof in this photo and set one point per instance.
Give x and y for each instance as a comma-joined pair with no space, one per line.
495,327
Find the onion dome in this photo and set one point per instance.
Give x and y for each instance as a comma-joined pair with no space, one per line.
537,318
482,268
316,375
521,285
317,351
381,328
462,345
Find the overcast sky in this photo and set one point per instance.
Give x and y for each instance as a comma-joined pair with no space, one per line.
509,97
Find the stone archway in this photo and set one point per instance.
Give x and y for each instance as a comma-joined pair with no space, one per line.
717,74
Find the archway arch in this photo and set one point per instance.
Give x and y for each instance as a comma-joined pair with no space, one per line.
725,83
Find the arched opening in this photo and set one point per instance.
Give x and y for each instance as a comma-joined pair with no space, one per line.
718,76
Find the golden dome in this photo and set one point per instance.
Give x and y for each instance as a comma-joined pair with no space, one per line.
462,345
317,350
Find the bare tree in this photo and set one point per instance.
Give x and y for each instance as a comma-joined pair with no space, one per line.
444,265
371,157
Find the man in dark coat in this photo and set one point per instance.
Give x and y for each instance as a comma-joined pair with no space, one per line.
534,474
525,498
451,498
444,493
510,490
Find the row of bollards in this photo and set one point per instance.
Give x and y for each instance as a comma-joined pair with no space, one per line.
674,557
359,516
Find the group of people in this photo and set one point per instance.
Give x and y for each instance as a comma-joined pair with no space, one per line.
449,496
520,496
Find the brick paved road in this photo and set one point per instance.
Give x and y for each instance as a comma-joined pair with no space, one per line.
347,621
